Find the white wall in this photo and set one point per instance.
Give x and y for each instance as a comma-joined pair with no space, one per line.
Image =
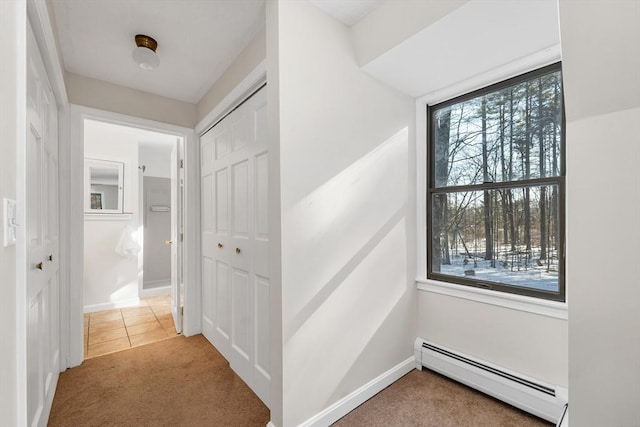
111,279
12,46
393,22
119,99
601,59
531,344
347,214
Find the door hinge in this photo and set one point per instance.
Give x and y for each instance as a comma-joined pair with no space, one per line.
181,237
182,311
181,164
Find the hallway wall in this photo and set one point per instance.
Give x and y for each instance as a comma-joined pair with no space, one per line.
347,203
601,59
12,130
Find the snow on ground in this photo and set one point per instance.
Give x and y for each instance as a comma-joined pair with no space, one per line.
534,277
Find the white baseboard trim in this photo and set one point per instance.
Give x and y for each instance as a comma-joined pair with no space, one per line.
270,424
564,418
157,283
348,403
156,291
110,305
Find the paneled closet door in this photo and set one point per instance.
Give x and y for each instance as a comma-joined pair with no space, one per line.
42,293
235,242
216,310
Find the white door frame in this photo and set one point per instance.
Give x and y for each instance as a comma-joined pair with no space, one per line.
191,210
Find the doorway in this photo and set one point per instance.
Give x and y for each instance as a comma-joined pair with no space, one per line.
122,260
132,228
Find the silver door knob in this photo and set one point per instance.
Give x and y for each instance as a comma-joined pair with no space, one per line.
237,250
219,245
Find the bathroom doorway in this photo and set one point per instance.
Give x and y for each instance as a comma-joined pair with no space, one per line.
133,192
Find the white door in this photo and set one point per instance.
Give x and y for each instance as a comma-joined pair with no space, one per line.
176,236
235,241
42,293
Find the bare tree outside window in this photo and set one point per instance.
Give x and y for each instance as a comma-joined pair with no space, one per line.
496,186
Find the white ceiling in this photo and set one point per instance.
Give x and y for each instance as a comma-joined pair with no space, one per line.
348,12
197,40
477,38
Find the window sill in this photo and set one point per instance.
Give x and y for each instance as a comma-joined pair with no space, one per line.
108,216
538,306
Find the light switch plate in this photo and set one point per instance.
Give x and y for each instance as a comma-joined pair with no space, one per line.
9,225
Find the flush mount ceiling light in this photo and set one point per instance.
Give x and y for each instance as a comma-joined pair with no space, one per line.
145,52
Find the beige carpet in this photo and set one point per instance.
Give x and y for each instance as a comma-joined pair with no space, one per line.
424,398
175,382
186,382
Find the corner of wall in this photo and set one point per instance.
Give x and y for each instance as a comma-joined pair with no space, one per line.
272,53
248,59
393,22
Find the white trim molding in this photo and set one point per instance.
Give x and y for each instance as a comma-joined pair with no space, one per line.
130,302
43,31
356,398
108,216
543,307
163,289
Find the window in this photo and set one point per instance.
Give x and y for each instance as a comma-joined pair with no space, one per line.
495,193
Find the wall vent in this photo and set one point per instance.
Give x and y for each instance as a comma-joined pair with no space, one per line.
536,397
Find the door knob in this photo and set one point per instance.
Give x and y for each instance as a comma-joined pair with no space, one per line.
237,250
39,266
219,245
168,242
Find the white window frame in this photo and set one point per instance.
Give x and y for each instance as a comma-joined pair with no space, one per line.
502,299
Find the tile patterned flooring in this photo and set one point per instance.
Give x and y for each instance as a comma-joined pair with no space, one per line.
122,328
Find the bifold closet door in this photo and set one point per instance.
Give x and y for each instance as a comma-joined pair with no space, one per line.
235,241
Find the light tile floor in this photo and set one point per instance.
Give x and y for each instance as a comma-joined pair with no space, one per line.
119,329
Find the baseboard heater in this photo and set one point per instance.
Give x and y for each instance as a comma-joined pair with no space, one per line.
538,398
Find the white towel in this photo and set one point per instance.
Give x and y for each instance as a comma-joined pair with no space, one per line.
127,245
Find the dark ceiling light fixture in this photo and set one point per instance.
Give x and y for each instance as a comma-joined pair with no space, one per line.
145,52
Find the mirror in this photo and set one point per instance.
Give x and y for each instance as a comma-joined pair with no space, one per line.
103,186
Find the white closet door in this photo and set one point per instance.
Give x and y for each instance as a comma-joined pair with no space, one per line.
42,296
216,317
235,242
